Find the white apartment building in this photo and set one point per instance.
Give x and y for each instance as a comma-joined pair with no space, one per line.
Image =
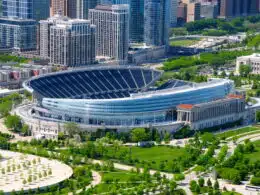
68,42
252,60
112,31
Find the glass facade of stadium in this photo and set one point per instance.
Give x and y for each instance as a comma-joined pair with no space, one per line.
149,107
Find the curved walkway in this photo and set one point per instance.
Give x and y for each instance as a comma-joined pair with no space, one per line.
232,146
96,180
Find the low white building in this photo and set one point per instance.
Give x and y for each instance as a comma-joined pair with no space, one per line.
251,60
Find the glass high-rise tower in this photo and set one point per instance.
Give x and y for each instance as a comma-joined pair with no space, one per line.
26,9
136,18
156,22
137,21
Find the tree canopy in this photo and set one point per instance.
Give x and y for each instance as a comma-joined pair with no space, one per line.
13,122
139,134
71,129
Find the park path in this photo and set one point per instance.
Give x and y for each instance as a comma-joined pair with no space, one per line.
231,148
124,167
96,179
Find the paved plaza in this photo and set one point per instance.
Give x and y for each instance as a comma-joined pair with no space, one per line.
21,171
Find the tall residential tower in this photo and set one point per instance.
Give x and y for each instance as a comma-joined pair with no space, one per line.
68,42
17,34
73,8
58,7
112,34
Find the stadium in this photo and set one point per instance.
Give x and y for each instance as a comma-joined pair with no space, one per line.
116,96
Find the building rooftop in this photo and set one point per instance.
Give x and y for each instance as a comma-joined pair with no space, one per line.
227,98
253,56
104,7
185,106
234,96
16,19
111,7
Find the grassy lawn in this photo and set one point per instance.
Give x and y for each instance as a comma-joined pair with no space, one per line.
157,153
237,132
126,180
185,42
230,193
152,156
255,155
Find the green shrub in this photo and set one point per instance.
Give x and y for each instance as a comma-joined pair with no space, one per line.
255,181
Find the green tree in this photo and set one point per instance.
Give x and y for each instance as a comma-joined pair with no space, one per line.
201,182
193,185
216,185
244,70
254,42
255,181
5,108
139,134
61,136
258,116
207,138
197,189
71,129
173,186
179,177
25,130
223,74
167,137
209,183
13,122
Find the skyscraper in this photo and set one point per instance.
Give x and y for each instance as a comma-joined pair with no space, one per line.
69,42
44,34
79,8
136,27
173,12
156,22
111,2
209,10
193,10
58,7
1,10
73,8
233,8
182,13
18,34
137,21
26,9
112,37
